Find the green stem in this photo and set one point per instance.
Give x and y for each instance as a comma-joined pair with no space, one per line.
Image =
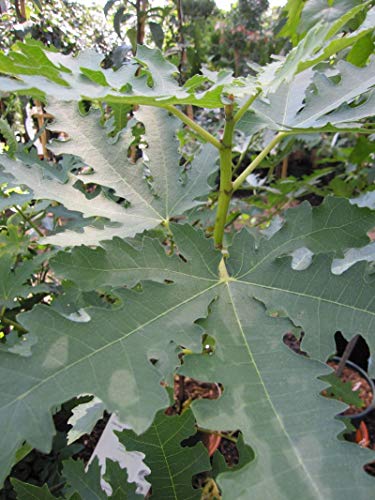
28,219
17,326
253,165
194,126
226,186
217,433
246,106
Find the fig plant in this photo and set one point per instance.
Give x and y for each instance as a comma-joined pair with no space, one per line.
243,293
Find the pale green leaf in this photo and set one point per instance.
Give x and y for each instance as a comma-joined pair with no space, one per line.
322,41
171,192
270,393
329,10
303,106
73,78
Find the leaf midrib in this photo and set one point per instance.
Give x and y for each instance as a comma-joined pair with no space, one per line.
112,168
168,272
267,395
166,312
333,104
308,296
166,462
296,238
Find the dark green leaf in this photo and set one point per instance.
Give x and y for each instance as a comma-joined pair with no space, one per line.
172,465
9,137
157,34
26,491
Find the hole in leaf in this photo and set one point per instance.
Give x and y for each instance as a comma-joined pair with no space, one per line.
208,344
294,342
182,257
360,354
228,452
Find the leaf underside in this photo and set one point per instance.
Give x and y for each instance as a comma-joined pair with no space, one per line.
172,190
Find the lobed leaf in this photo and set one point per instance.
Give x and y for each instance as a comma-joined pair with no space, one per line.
171,191
312,100
172,465
271,394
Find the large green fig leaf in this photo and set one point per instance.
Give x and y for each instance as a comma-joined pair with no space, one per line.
172,465
171,191
67,78
329,228
323,40
314,101
271,394
110,359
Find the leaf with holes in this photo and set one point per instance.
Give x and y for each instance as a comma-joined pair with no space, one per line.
246,304
154,190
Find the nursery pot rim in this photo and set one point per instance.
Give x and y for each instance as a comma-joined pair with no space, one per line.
366,376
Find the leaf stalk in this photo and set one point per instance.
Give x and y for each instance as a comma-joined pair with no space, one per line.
246,106
194,126
9,322
254,164
28,220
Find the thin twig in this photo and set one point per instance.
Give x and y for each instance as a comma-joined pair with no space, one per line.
217,433
9,322
194,126
344,358
284,168
254,164
28,219
245,107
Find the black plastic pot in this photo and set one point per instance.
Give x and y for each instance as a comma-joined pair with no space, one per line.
358,417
